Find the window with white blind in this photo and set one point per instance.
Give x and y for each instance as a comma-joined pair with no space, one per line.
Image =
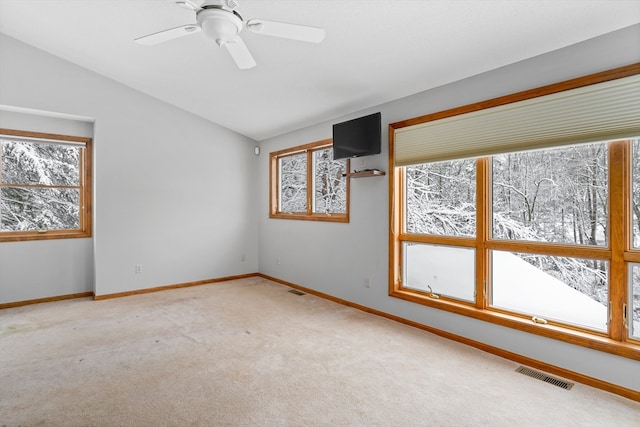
522,211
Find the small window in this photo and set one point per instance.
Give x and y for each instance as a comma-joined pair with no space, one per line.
307,183
44,186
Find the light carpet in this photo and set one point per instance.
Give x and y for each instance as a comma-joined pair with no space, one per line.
249,353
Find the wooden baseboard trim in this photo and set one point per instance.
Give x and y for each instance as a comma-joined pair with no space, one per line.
42,300
518,358
168,287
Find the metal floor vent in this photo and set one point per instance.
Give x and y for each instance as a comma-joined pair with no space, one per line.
544,377
296,292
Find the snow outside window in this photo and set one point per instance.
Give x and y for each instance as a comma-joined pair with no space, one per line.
440,270
307,183
293,183
634,302
537,244
441,198
329,186
42,187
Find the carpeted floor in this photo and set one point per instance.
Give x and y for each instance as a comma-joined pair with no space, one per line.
249,353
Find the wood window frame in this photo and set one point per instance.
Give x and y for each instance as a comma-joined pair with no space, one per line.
85,186
618,251
274,184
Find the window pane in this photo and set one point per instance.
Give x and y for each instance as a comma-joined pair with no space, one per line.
635,198
45,164
448,270
28,209
293,183
441,198
634,301
569,290
558,195
330,187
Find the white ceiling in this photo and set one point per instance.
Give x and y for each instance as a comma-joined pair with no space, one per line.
375,51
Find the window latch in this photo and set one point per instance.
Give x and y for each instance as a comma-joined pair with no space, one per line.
625,316
539,320
431,294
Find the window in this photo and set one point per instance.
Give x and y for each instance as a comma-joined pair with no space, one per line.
45,186
307,183
541,238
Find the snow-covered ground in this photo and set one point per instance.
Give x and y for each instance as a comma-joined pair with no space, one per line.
516,285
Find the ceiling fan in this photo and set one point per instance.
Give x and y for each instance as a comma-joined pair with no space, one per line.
219,21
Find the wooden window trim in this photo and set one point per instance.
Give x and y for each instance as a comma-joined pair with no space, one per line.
85,186
274,185
617,252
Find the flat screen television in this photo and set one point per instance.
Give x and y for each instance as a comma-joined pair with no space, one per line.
357,137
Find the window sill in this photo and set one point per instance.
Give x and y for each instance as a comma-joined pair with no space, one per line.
22,236
582,338
313,217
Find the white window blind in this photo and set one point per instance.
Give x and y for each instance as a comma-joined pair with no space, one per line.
599,112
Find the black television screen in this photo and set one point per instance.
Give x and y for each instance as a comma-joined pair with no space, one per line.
357,137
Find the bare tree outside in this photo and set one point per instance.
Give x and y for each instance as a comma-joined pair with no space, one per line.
293,183
554,196
330,187
634,274
441,198
39,186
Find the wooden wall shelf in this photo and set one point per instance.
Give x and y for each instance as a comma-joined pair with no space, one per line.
365,173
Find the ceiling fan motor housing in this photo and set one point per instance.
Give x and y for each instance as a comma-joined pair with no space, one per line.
219,24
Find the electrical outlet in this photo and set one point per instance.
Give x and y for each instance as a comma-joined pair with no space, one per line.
367,282
278,261
138,268
243,258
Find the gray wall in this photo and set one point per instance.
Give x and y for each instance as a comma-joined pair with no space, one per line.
336,258
172,192
30,270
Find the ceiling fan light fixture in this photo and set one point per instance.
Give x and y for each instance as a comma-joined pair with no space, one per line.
219,24
218,20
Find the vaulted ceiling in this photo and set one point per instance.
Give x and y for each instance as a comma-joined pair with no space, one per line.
374,51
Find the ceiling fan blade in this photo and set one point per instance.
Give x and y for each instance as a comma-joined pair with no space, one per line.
166,35
240,54
189,4
287,31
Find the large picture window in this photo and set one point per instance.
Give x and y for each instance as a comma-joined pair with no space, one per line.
307,183
44,186
543,238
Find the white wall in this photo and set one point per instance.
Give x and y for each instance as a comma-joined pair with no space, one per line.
31,270
172,192
336,258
